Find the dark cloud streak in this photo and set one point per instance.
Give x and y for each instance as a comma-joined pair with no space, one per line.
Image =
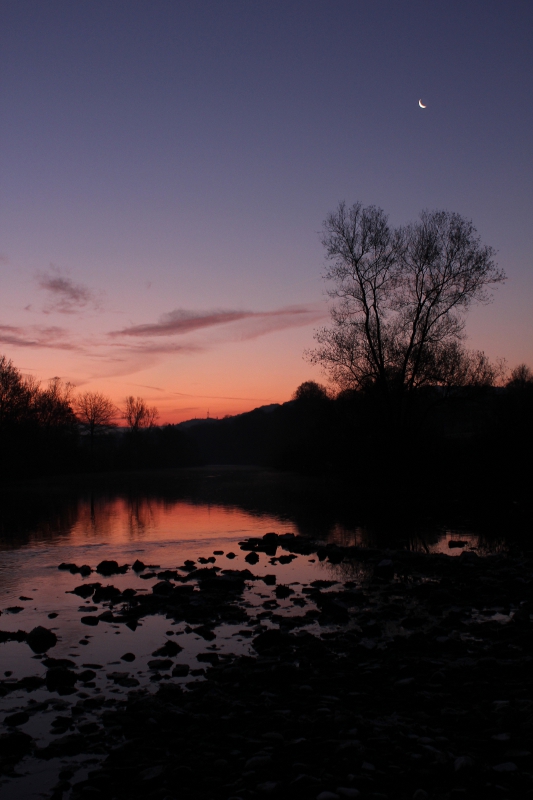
49,338
67,296
181,322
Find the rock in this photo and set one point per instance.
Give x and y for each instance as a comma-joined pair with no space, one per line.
252,558
41,639
86,589
90,620
205,632
75,570
160,663
105,593
122,679
19,718
58,678
127,657
507,766
107,568
180,671
138,566
210,658
168,649
13,636
227,584
86,675
286,559
15,745
456,543
163,588
50,663
283,591
230,555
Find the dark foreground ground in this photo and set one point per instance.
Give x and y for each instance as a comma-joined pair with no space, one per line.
415,682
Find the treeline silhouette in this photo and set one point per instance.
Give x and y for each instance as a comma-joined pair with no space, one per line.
50,431
470,444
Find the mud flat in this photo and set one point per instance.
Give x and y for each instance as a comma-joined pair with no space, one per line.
406,676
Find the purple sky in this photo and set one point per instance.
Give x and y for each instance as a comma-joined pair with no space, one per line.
165,169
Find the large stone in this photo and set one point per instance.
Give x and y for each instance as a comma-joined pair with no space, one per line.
160,663
180,671
111,568
41,639
15,745
163,588
168,649
86,589
59,678
89,620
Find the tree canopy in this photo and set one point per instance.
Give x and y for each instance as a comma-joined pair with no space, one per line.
95,411
138,415
400,296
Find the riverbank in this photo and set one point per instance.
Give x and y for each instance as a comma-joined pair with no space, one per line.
410,678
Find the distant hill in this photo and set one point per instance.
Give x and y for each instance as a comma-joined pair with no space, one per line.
248,438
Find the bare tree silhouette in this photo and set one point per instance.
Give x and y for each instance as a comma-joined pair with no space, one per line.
96,412
138,415
400,299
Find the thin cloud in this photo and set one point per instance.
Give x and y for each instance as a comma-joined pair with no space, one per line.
270,322
50,338
15,336
220,397
66,297
155,348
199,396
181,322
144,386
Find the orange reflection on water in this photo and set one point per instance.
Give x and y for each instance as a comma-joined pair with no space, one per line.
122,521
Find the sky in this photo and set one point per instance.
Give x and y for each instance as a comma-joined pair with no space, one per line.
166,167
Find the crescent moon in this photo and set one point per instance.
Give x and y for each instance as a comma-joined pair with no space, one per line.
421,104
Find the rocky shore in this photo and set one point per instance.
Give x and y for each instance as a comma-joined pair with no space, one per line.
410,678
